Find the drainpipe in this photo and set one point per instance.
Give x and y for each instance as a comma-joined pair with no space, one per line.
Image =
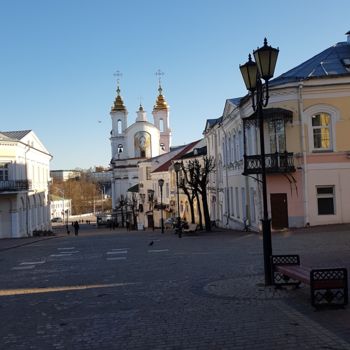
27,196
216,152
227,199
303,150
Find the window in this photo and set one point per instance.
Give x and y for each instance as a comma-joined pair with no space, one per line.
232,148
148,173
244,209
240,145
167,192
119,127
277,136
321,120
237,202
161,125
325,200
4,174
224,152
252,204
232,201
235,153
321,131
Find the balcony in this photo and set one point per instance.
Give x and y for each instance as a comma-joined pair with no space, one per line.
274,163
15,185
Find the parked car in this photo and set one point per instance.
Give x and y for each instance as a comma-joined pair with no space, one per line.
58,219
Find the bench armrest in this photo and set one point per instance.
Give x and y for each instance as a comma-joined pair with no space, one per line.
280,260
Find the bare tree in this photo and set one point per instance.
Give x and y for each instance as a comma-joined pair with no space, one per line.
198,179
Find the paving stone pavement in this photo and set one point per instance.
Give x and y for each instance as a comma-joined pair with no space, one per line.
197,292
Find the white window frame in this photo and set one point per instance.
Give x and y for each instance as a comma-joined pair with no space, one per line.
307,119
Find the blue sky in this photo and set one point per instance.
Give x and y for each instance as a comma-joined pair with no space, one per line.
58,58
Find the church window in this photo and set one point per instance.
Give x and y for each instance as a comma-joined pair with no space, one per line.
162,146
119,127
161,125
148,173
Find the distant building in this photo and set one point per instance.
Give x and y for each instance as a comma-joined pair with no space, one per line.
60,207
24,178
64,175
103,179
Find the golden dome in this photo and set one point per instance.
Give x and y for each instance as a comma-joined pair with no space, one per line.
160,103
118,103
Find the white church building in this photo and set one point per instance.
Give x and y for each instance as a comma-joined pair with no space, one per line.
135,142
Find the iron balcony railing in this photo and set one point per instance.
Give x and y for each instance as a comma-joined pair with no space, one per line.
15,185
274,163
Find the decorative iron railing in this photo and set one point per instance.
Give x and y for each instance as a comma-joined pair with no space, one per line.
274,163
15,185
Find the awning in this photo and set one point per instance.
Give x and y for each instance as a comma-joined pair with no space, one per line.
134,188
273,114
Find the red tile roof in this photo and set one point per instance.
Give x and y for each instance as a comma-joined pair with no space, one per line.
165,166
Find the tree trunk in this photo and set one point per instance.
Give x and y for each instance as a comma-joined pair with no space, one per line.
199,212
206,210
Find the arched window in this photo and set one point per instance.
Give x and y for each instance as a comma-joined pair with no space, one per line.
321,120
321,131
119,127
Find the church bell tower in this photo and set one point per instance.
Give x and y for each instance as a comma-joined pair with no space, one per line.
119,115
161,121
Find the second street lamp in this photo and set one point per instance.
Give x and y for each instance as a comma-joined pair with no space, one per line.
161,183
253,72
177,167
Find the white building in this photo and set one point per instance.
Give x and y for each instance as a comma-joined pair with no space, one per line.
136,142
24,177
60,208
64,175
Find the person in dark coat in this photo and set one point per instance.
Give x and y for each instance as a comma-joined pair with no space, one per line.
76,228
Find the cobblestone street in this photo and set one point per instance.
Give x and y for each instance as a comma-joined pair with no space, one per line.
113,290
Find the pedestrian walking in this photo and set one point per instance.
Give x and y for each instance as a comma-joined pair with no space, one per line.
76,228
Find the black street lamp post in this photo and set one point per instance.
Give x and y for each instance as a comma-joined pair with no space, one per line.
161,183
177,167
253,73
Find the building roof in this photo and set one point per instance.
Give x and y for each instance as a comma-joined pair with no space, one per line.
16,135
334,61
331,62
165,166
212,122
236,101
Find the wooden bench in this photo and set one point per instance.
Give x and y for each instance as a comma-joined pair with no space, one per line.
328,286
191,228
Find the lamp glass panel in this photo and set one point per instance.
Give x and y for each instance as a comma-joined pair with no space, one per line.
266,58
249,72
